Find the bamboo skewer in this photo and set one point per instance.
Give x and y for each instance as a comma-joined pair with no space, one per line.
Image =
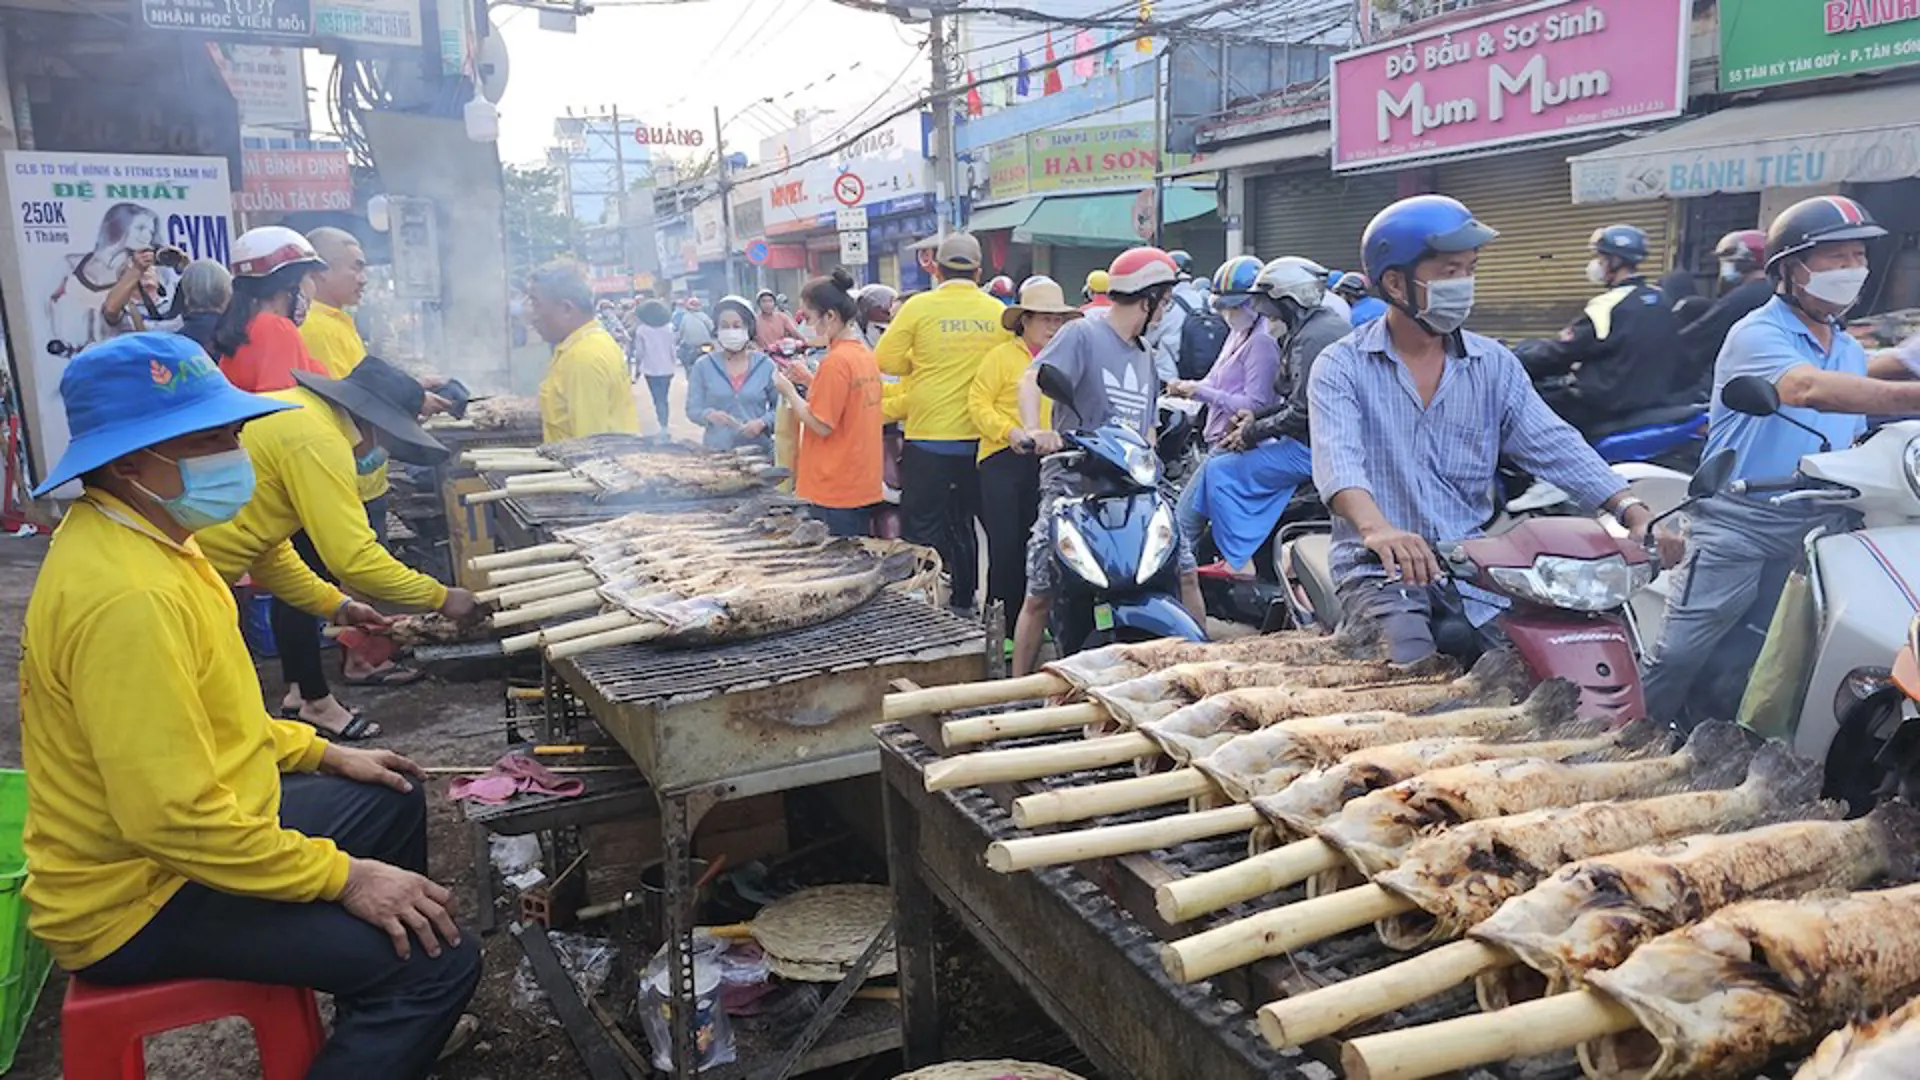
1115,797
1030,762
514,575
1270,871
631,635
1297,1020
1277,932
541,589
585,600
938,699
566,632
520,557
1027,852
1011,725
1518,1031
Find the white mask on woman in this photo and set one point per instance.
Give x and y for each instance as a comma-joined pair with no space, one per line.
733,338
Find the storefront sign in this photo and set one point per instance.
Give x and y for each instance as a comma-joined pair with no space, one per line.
668,135
810,200
77,221
288,21
1753,163
1769,42
1090,158
1543,71
293,181
1007,170
268,83
709,232
369,22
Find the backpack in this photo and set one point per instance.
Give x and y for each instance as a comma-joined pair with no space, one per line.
1202,336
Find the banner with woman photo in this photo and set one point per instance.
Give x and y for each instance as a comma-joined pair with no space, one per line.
82,225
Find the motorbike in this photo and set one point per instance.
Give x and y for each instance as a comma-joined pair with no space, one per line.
1822,681
1567,580
1114,544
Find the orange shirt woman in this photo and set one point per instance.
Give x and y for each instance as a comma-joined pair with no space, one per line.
839,467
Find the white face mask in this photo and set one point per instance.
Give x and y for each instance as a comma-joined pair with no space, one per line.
733,338
874,333
1240,317
1729,271
1449,302
1839,287
301,305
1597,270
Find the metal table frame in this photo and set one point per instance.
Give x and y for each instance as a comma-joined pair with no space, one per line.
1083,958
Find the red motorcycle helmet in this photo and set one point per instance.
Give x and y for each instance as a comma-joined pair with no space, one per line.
1138,270
1745,248
1001,287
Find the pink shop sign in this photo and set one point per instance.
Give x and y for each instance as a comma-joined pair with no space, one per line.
1543,71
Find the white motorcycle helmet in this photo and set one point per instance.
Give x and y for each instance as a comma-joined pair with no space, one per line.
1288,288
259,252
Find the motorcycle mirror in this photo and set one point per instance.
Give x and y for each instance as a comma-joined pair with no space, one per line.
1752,395
1713,473
1053,384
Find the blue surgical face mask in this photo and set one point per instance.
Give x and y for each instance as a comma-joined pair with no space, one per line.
370,462
1449,302
213,488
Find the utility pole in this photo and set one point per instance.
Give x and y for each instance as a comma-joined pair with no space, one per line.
945,159
620,200
726,195
1159,144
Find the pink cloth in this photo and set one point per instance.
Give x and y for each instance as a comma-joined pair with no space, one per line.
511,775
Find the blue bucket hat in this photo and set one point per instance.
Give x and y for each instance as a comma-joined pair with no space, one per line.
138,390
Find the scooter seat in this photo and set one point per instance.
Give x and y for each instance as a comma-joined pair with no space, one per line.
1311,558
1644,418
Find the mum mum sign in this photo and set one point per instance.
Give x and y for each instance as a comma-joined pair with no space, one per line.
1544,71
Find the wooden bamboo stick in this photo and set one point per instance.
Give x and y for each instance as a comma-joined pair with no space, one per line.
1298,1020
508,596
1027,852
520,556
515,575
1519,1031
492,495
1269,871
1014,725
1032,762
579,628
1277,932
938,699
520,466
1113,797
631,635
549,484
546,609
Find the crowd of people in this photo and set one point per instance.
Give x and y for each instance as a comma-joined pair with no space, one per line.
178,829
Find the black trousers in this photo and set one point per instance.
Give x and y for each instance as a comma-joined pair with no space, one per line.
295,634
391,1016
939,498
1009,501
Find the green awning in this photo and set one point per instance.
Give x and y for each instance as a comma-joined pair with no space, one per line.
1106,220
1005,216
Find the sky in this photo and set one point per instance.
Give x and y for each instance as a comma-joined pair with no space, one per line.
673,63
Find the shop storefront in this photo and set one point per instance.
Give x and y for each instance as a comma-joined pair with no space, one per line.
884,175
1307,211
1488,111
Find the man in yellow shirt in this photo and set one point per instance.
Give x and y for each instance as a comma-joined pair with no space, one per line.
162,839
307,460
588,389
936,343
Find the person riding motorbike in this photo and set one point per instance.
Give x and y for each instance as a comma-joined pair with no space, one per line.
1745,287
1241,378
1354,287
1001,289
1410,417
1816,261
1618,357
1266,454
1109,369
1189,298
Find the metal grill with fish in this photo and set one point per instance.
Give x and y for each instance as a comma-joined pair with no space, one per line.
630,470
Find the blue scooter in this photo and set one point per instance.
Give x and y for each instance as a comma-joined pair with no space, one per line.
1114,544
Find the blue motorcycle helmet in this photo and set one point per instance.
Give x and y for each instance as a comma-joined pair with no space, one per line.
1233,282
1628,243
1412,230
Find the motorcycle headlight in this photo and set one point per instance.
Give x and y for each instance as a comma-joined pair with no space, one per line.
1159,546
1910,458
1574,584
1142,465
1076,554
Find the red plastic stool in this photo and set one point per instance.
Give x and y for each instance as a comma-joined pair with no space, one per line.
102,1027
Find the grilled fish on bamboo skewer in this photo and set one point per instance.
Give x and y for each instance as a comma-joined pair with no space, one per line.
1883,1049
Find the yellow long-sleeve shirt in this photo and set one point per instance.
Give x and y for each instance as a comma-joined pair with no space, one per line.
303,464
333,340
994,398
938,340
150,761
588,390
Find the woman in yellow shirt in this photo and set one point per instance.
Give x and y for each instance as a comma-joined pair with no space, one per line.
1009,473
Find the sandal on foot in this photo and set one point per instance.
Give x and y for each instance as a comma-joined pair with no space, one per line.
358,729
391,675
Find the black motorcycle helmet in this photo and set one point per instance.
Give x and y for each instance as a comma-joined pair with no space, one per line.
1822,219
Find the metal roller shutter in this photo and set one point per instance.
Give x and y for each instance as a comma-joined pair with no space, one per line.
1532,281
1316,214
1070,266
